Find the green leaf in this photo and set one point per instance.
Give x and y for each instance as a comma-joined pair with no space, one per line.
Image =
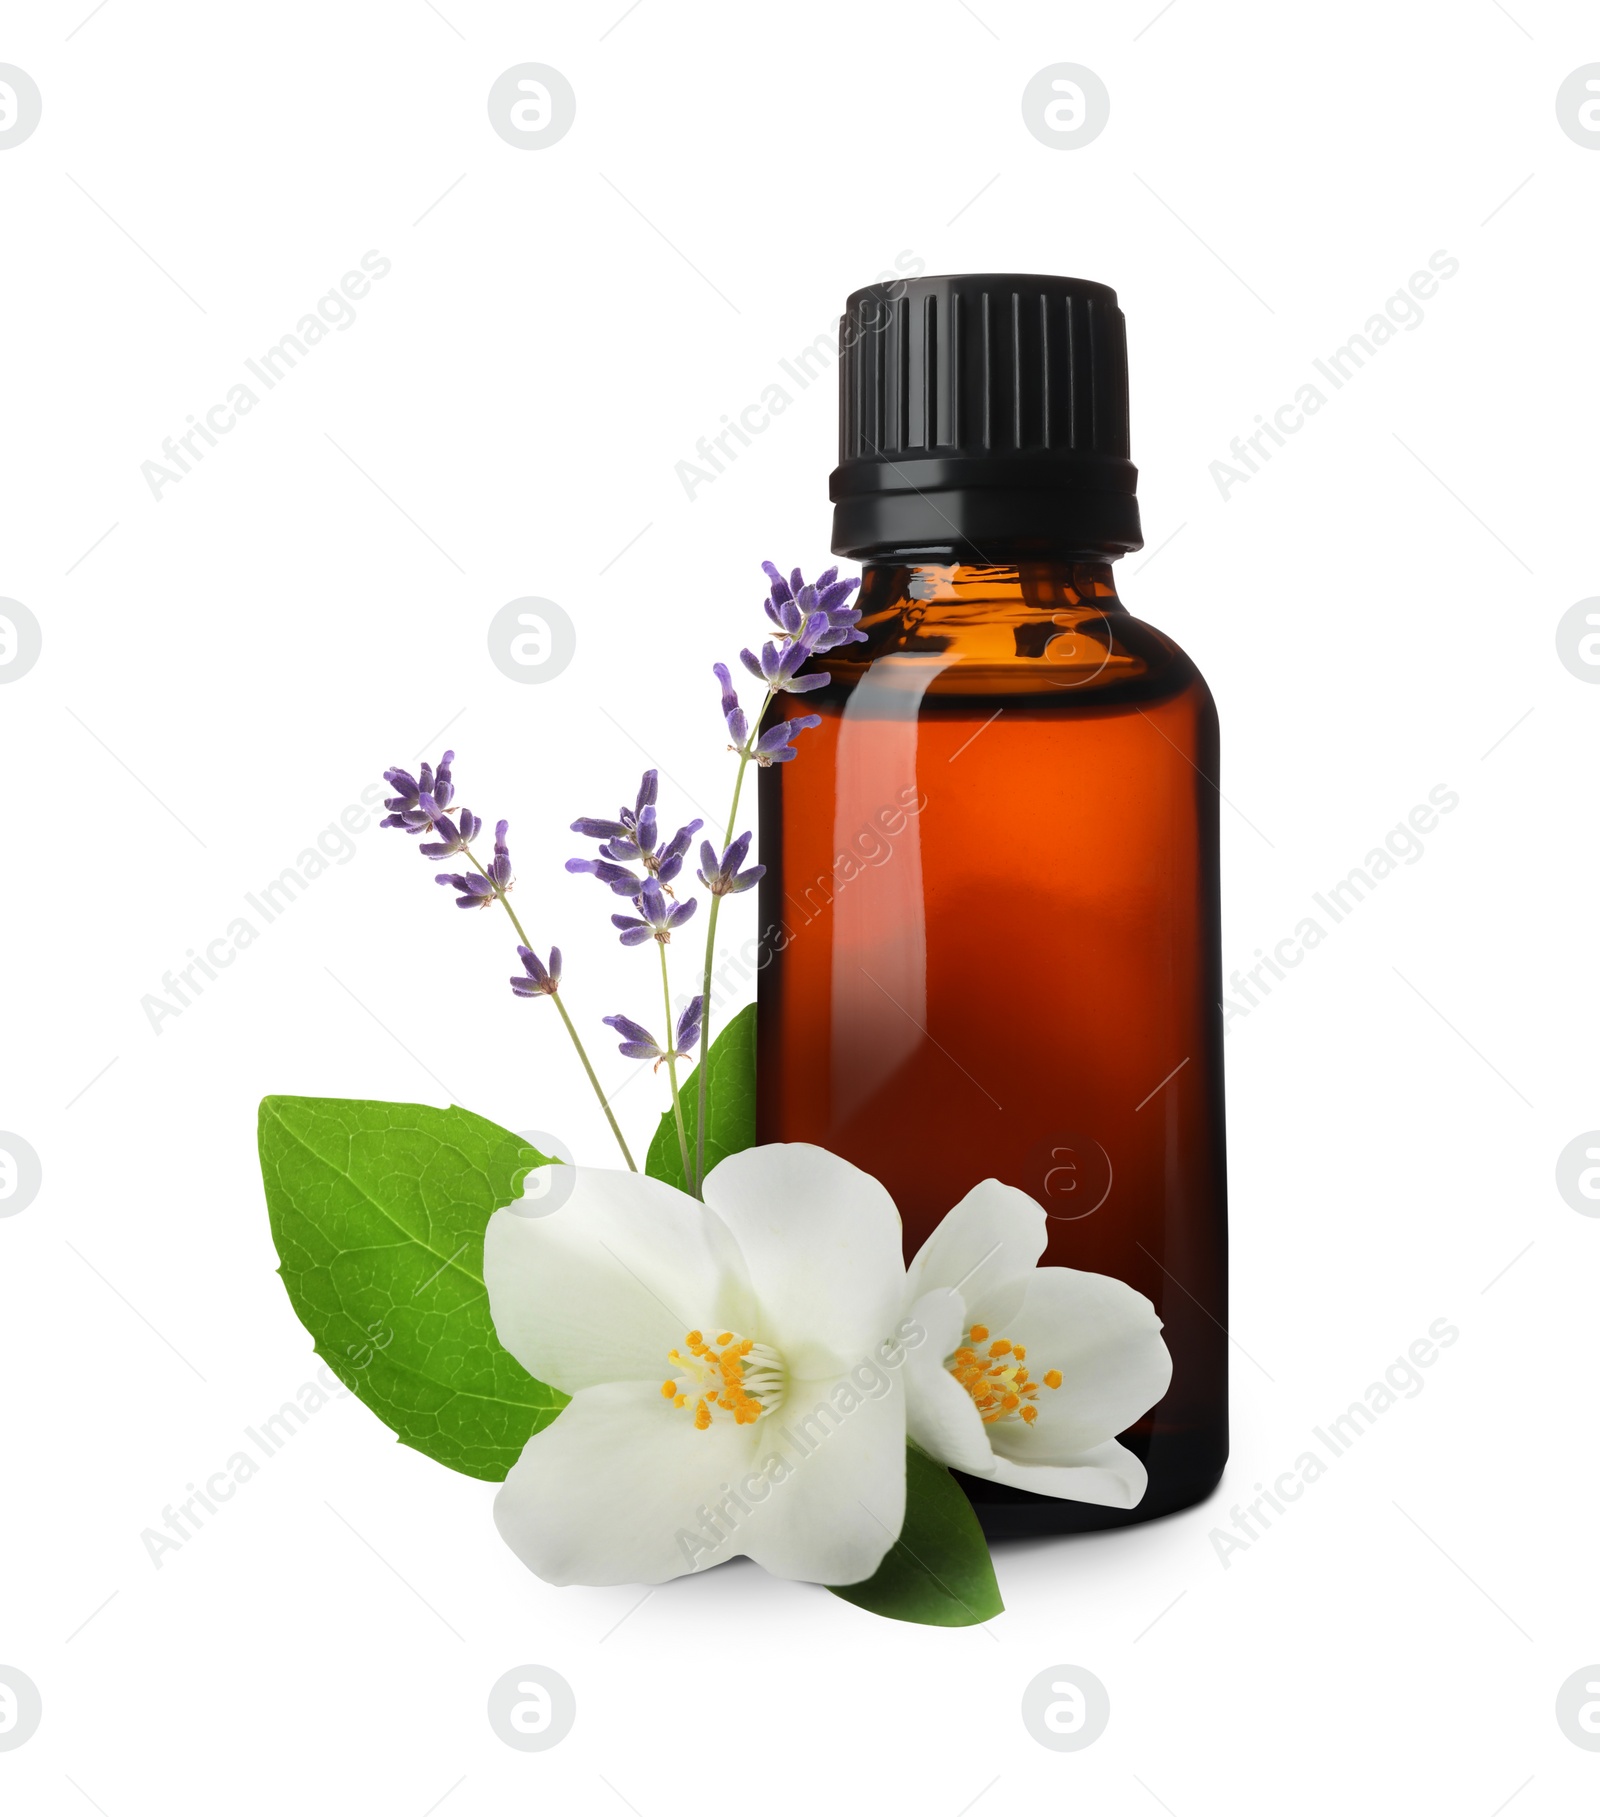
730,1104
378,1213
938,1572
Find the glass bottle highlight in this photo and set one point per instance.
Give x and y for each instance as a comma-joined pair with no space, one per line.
992,887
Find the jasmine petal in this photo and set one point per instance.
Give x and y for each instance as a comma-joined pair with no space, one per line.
1029,1373
725,1324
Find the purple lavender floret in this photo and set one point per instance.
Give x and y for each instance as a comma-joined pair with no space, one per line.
472,891
639,1044
621,882
499,867
811,617
774,747
657,917
777,667
630,840
793,604
627,821
542,980
842,620
633,839
419,805
722,876
419,801
732,712
669,860
688,1035
457,834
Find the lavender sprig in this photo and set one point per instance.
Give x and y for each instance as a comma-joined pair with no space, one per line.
633,859
418,806
810,618
636,862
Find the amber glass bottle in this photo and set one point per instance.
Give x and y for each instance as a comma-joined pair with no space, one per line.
991,901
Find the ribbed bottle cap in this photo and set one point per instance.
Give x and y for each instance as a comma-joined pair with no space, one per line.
985,415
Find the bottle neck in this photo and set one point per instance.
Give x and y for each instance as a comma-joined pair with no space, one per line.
1014,628
976,589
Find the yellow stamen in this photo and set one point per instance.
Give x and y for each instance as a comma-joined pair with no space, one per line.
736,1376
997,1379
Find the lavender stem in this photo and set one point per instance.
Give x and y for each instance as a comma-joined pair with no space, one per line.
746,751
689,1182
505,903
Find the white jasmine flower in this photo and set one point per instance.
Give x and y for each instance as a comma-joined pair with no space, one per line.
1027,1374
734,1368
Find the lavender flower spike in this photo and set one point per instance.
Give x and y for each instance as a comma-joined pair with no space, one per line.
639,1044
722,877
793,604
656,919
542,980
774,747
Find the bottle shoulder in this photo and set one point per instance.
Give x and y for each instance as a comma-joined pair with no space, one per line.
1091,656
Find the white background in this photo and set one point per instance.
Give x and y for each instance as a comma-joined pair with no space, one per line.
229,665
